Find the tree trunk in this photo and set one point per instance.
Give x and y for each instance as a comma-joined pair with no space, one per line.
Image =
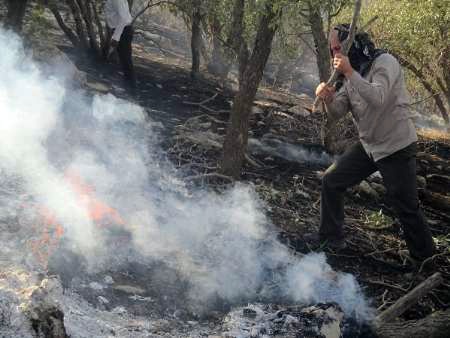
196,39
321,42
69,33
16,12
86,13
75,9
235,143
445,66
218,65
236,40
104,42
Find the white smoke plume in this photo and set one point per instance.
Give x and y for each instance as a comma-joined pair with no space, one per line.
222,243
288,151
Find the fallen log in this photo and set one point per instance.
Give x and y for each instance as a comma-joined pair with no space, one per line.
436,200
430,163
408,300
438,183
436,325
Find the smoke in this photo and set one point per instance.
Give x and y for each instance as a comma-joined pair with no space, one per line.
72,152
288,151
29,110
429,122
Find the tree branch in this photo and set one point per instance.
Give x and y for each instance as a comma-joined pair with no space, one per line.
151,4
66,29
345,47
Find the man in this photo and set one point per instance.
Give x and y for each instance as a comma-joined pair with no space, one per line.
119,19
373,89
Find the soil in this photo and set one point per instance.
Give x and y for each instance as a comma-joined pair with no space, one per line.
290,189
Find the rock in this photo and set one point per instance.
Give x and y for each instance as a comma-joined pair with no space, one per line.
331,319
375,177
299,110
379,188
365,188
97,86
108,280
257,110
120,310
44,310
302,193
55,61
135,290
421,182
96,286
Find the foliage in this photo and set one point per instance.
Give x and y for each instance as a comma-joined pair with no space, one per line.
39,22
377,220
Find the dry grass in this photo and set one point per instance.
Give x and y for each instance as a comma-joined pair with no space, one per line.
435,135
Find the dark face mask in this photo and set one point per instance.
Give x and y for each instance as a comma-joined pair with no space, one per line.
362,52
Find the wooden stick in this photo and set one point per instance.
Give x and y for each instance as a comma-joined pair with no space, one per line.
345,48
408,300
368,23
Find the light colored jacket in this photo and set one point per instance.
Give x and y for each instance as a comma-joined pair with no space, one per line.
379,103
117,13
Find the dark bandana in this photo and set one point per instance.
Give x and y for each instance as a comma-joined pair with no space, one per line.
362,53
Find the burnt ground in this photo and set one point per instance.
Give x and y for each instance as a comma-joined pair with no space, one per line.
290,188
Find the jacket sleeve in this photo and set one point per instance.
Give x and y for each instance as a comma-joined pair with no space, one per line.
385,72
339,106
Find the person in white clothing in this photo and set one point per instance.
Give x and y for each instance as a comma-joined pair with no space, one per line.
119,19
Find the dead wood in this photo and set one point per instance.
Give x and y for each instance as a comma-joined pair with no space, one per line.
209,175
438,183
202,104
436,200
411,298
433,163
436,325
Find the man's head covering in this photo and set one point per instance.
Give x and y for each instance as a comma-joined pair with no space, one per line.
362,52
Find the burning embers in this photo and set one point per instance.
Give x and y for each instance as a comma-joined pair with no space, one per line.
50,231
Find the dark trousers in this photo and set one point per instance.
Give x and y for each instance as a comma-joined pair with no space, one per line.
399,176
124,50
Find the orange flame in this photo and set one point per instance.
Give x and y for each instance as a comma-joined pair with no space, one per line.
98,211
52,232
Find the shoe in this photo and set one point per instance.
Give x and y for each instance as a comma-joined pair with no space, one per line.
321,242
